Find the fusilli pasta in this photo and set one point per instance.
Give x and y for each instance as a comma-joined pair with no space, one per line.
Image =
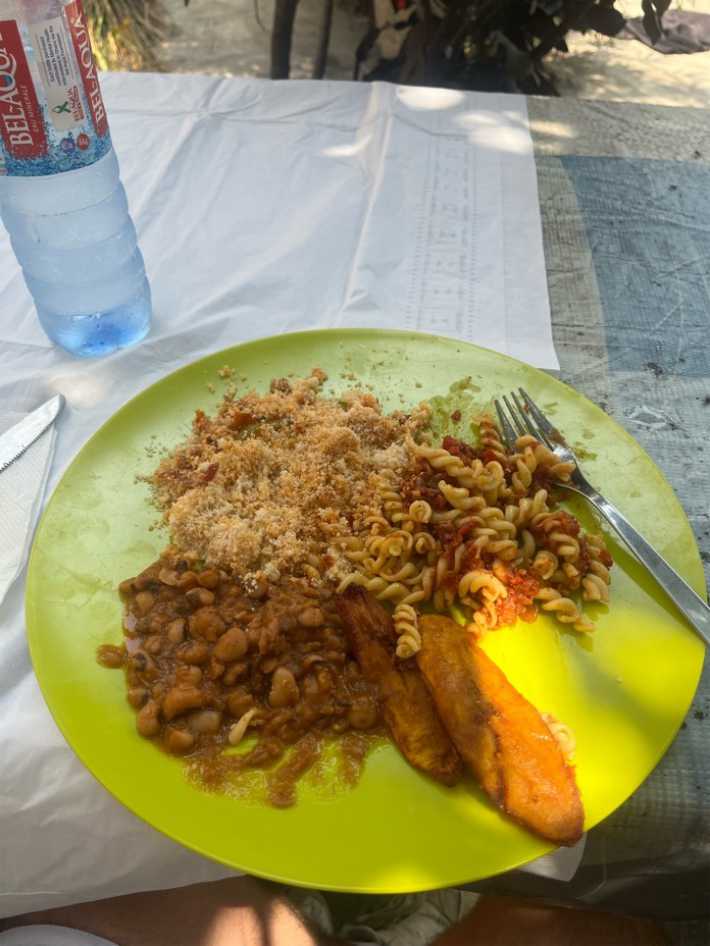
406,625
476,526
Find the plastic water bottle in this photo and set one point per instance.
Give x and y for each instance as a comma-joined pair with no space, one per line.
61,198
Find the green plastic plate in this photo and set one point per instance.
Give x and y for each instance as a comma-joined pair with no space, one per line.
624,691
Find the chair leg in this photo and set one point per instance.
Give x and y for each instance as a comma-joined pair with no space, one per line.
282,37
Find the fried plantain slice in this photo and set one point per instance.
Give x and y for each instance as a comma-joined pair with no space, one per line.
408,707
499,734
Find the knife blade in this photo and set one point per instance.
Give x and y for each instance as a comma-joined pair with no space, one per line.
17,439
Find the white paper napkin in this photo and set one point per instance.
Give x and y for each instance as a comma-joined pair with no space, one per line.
22,487
561,864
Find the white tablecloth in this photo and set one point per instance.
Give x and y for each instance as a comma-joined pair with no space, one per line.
261,208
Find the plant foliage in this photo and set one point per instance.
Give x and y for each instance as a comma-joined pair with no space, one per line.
126,33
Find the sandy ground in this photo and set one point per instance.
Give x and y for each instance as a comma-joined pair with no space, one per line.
627,71
224,37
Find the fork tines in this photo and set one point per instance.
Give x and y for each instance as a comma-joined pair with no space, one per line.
524,418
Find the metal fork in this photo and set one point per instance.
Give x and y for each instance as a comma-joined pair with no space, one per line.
527,418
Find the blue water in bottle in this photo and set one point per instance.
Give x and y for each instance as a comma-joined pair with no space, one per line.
61,198
76,243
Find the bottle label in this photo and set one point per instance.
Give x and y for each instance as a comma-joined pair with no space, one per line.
54,91
56,68
87,66
21,121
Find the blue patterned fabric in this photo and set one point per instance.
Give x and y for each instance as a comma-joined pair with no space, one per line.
627,252
648,226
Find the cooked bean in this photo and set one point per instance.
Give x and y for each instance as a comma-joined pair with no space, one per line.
239,701
268,635
176,631
325,679
206,721
147,722
205,664
311,659
158,691
336,657
206,623
143,602
142,666
182,606
187,580
181,699
215,669
137,657
284,689
287,622
199,597
232,645
233,673
242,616
155,623
178,741
332,639
144,581
190,674
209,578
193,652
137,696
230,607
169,576
126,587
111,656
311,617
362,713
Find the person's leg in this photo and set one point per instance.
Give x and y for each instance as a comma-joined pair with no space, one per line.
240,911
504,921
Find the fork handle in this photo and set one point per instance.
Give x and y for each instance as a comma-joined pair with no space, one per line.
690,603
